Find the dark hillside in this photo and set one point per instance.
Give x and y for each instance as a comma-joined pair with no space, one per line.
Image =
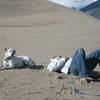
93,9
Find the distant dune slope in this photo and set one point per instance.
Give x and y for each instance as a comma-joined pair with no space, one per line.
77,4
93,9
42,29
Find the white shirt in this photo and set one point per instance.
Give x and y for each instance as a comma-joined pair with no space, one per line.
56,64
65,69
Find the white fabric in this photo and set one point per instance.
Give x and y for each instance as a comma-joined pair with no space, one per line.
77,4
56,63
65,69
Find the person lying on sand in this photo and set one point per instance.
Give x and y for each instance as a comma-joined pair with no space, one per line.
79,64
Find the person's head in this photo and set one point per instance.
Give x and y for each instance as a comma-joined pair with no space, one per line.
56,63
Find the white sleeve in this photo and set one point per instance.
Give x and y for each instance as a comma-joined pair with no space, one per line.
66,67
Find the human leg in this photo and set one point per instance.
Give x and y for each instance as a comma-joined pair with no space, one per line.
78,64
93,59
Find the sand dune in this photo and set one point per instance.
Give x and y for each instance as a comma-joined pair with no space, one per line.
93,9
41,30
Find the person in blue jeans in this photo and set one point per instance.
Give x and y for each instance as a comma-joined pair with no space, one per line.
83,65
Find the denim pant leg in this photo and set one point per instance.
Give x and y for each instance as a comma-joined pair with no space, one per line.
93,59
78,64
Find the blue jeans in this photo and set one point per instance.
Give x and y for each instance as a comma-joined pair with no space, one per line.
83,65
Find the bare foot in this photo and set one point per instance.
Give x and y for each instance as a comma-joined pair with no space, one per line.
83,80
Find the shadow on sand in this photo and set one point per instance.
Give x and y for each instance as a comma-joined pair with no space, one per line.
95,75
36,67
39,67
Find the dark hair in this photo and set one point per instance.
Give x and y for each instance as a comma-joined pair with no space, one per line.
66,58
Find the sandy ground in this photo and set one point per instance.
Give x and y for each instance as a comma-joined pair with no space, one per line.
41,30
